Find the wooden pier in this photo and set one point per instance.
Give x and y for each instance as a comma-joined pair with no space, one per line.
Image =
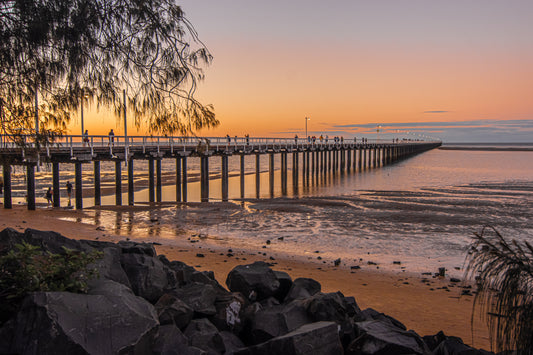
317,157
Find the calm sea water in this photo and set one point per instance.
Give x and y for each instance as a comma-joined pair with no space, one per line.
421,211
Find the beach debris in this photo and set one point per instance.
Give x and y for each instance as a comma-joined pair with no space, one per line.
229,255
355,267
281,238
268,242
337,262
200,255
397,262
100,228
319,257
317,251
453,279
371,263
442,272
154,219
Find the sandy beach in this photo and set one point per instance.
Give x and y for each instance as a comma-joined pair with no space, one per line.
423,303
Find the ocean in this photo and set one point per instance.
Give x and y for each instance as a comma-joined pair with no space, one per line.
414,216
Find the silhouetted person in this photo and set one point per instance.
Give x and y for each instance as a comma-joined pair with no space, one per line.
112,138
69,192
48,196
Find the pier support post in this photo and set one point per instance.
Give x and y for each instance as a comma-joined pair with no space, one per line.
257,175
78,185
118,183
8,203
30,186
271,174
131,187
348,159
225,177
307,154
184,179
343,159
151,187
204,178
97,184
55,184
329,160
178,179
159,182
284,173
360,162
242,175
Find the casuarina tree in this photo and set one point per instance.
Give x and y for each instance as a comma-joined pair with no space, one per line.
504,274
56,53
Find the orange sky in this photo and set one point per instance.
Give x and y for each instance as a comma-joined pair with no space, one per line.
265,80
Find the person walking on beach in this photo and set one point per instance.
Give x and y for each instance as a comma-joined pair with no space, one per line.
69,192
48,196
112,137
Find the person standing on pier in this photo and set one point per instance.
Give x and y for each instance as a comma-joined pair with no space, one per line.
112,137
69,193
85,138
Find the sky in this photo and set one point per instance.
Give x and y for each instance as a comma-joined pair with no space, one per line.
457,70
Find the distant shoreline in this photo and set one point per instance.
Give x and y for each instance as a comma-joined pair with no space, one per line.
503,149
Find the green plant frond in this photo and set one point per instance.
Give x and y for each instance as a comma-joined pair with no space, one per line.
503,271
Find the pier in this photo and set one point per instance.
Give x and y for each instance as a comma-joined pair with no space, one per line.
310,157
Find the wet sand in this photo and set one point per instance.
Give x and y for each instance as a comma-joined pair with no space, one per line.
423,303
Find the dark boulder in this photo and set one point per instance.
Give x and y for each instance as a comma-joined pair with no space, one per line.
319,338
46,240
108,320
147,275
171,341
285,283
303,288
200,297
383,337
171,310
204,335
231,342
271,322
109,266
371,314
440,344
129,247
229,311
255,281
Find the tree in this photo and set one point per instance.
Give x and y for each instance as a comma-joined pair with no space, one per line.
53,53
504,274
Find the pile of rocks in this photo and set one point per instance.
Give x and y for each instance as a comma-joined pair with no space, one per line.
145,304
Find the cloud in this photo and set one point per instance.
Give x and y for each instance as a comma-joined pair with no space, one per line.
437,111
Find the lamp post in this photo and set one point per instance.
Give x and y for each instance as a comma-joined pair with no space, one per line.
379,127
306,119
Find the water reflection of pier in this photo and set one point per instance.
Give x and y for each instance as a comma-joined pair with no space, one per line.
318,158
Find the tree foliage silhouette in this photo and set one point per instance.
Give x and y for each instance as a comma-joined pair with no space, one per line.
64,51
504,274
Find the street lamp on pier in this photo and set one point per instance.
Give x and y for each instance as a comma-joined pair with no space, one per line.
306,119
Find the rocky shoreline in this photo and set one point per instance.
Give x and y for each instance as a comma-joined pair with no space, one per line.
142,303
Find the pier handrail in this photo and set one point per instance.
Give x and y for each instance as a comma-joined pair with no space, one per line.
76,141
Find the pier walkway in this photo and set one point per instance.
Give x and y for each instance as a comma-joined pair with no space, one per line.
317,157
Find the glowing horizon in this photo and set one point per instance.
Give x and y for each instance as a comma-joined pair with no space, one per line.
358,62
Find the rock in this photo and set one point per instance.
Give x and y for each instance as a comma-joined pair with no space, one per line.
355,267
200,255
171,341
319,338
47,241
137,248
200,297
171,310
303,288
229,311
440,344
204,335
337,262
371,314
109,266
147,275
453,279
231,342
182,271
255,281
382,337
108,320
285,283
278,320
